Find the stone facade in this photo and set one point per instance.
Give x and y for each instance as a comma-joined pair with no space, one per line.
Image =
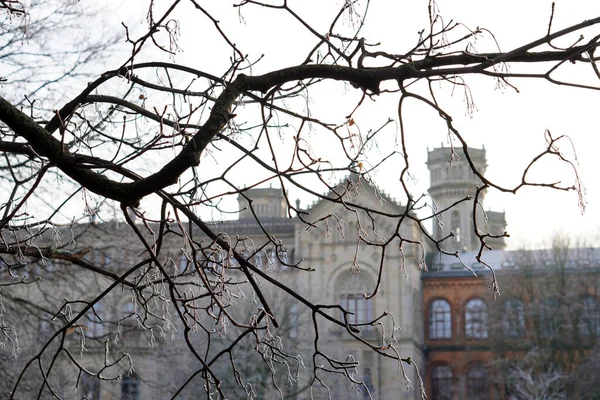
343,269
344,272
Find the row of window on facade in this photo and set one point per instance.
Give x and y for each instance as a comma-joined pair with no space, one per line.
340,231
513,318
130,387
217,260
94,322
440,319
271,209
474,385
103,259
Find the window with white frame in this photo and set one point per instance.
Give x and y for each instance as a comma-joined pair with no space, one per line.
440,320
476,317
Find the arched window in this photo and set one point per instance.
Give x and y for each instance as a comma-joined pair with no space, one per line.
273,261
215,261
476,319
90,387
130,388
278,258
477,383
550,317
350,290
589,318
440,320
513,320
258,259
441,383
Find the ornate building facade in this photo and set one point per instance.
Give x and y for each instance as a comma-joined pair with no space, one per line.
342,270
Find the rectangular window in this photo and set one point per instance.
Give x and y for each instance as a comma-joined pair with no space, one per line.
361,308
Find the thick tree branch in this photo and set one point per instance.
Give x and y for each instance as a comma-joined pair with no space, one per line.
16,148
130,193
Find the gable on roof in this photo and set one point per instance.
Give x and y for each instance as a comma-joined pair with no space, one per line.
355,193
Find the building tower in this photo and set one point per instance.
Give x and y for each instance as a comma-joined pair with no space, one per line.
453,180
266,203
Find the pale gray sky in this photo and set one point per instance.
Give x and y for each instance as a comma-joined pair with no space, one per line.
510,125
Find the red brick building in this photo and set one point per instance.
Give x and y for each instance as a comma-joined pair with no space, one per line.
455,305
474,344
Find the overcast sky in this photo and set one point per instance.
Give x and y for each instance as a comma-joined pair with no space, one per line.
510,125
